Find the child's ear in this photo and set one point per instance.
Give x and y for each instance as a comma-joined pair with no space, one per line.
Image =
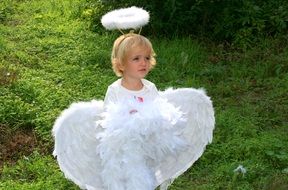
121,67
118,63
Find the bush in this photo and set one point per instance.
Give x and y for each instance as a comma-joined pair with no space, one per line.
241,22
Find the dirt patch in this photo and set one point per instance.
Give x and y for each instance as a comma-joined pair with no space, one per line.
278,182
7,76
15,144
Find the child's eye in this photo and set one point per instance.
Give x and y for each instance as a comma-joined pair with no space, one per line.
136,59
147,58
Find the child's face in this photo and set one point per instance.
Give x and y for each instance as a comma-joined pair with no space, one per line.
137,63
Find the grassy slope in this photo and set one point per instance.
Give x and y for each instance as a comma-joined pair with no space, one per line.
50,59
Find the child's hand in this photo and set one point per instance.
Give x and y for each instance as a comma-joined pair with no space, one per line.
133,111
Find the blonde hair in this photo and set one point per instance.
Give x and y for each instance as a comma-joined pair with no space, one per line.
123,44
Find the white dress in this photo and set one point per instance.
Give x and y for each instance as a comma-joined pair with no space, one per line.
117,93
133,139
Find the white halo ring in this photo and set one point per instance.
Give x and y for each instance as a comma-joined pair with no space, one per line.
126,18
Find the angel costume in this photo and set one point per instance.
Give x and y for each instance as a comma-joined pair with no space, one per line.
133,140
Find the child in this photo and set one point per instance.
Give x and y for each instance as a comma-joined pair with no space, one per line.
137,138
132,58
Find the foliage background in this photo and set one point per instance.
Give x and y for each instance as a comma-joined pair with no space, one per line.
243,22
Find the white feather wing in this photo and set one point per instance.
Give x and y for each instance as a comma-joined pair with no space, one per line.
75,143
198,132
77,146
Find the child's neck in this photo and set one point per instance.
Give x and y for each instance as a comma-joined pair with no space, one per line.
132,84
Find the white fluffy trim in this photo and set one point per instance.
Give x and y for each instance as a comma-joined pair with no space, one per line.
131,142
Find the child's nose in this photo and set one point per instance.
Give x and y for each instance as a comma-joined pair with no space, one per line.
143,61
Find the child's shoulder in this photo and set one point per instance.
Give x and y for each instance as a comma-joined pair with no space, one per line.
115,84
148,84
145,81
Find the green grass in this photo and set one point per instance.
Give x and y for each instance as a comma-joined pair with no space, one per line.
49,58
